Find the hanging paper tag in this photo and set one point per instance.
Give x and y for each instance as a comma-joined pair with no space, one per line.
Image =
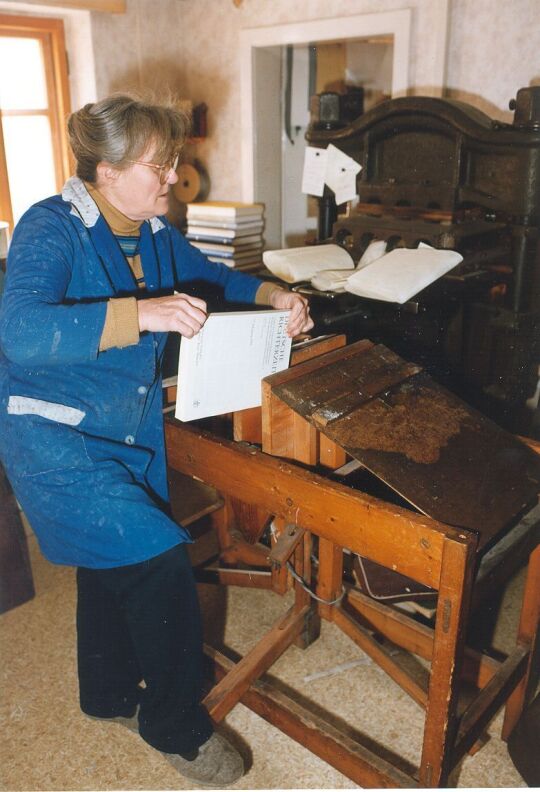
341,173
314,170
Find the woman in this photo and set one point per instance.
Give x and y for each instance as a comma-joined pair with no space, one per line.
89,298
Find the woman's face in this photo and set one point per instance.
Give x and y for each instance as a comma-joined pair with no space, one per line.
138,191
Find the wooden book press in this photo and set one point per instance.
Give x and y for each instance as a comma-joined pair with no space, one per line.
463,485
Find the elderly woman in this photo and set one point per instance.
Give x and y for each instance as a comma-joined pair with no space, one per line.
89,299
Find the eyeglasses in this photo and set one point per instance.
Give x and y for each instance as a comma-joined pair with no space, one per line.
163,170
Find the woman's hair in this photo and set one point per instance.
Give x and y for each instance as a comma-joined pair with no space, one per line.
121,128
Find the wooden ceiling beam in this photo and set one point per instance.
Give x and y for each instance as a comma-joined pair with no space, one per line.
107,6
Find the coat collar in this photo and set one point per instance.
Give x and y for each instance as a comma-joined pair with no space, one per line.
155,249
84,206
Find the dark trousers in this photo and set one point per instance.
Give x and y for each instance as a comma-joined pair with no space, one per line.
142,623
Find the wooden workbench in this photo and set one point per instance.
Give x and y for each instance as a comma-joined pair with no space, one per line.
306,503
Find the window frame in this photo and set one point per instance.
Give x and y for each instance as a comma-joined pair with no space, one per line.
50,33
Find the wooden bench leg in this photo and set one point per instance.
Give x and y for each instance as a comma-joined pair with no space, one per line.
528,634
312,620
228,691
330,577
448,647
279,574
300,625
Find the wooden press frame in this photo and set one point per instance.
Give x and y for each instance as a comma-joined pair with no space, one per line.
428,551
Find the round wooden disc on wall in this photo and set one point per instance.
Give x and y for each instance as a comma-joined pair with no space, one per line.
193,183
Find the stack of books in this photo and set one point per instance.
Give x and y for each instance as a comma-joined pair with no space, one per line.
228,232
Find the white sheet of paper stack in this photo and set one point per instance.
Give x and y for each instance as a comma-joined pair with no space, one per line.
300,264
335,280
399,275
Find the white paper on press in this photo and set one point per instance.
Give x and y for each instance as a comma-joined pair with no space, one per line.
299,264
314,170
330,280
374,250
399,275
336,280
341,173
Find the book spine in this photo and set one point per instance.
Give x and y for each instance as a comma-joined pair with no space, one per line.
229,233
226,250
234,262
254,239
225,212
255,221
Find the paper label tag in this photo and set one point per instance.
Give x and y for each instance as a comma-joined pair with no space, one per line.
314,171
332,167
341,173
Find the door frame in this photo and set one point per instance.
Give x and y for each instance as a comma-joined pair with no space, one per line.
258,111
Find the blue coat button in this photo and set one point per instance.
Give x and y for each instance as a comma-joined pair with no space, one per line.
129,440
142,390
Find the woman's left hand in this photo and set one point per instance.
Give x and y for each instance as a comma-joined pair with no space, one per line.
299,320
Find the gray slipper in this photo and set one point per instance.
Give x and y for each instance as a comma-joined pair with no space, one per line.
217,764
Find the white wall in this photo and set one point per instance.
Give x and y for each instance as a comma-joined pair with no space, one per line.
494,49
141,49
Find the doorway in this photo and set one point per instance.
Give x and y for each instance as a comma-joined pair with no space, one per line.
360,73
262,55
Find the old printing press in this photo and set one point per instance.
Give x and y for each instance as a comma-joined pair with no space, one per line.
443,173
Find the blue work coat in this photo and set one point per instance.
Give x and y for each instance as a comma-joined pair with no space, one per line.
81,431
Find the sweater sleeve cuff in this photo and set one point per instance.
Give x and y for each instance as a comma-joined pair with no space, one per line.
265,291
121,326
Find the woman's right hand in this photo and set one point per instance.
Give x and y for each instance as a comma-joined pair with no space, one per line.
180,313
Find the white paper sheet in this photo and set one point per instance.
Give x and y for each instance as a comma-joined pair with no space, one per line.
330,280
314,170
374,251
336,280
340,174
332,167
399,275
299,264
220,369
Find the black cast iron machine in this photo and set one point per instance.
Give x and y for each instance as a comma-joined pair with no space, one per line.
444,173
